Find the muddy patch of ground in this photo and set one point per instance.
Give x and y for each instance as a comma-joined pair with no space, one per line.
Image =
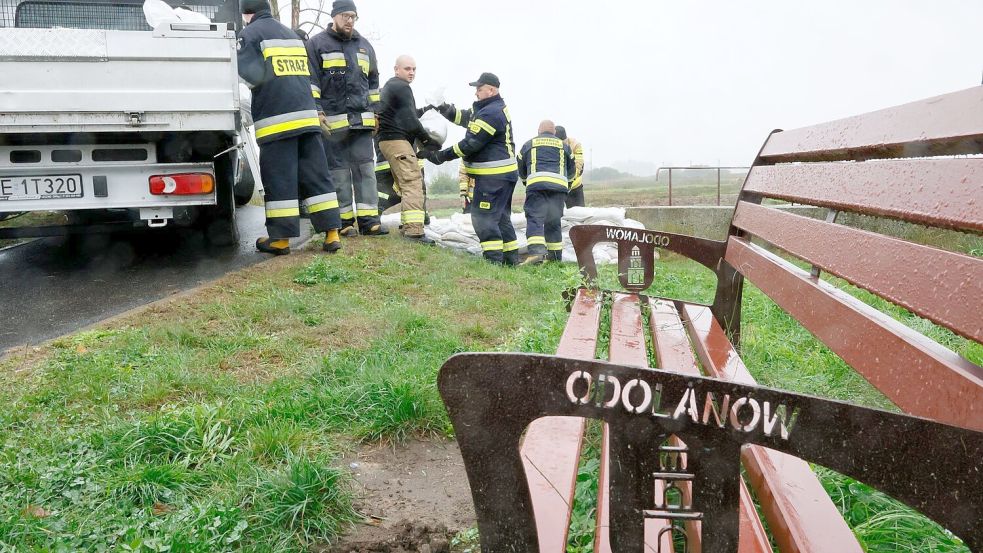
415,498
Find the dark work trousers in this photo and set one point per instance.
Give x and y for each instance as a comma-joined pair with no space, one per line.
544,213
388,196
351,158
575,198
295,169
491,216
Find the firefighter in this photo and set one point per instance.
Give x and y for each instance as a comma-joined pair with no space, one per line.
546,167
399,129
274,64
346,79
488,152
575,198
466,186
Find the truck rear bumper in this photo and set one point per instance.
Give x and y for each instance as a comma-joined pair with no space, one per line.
104,186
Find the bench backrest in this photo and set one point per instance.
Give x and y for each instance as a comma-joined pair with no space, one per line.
916,164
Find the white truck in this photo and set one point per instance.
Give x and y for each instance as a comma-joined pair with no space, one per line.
118,124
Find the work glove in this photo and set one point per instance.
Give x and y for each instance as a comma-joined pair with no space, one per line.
432,157
428,144
447,110
325,127
424,109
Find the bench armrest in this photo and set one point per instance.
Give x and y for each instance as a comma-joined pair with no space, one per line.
636,251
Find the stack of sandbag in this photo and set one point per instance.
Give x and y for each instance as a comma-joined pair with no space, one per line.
457,232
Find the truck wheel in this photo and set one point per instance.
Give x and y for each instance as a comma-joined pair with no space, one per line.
219,222
246,185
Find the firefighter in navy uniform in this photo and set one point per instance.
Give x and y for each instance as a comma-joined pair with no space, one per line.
546,166
346,79
273,62
488,153
575,198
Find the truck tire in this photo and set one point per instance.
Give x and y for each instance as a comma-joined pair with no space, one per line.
246,185
218,222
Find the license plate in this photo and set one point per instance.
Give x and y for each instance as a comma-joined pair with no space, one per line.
54,187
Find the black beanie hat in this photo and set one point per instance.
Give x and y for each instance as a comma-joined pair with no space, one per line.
342,6
561,133
253,6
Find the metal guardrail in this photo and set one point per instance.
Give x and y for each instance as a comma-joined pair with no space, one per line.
697,168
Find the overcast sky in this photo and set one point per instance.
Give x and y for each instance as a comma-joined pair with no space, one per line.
682,82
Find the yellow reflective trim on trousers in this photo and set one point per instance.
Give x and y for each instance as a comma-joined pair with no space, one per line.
331,204
493,170
384,166
551,180
536,240
284,51
335,125
285,212
348,215
367,212
375,97
510,246
492,245
383,195
331,64
316,94
288,126
554,246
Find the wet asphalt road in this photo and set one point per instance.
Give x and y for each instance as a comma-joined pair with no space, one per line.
50,287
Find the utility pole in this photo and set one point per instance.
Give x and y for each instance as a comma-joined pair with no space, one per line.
294,14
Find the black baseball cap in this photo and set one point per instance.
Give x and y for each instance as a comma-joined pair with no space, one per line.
488,79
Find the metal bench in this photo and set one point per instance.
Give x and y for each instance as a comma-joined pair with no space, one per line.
677,436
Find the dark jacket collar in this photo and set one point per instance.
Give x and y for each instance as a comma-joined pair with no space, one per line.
261,14
488,101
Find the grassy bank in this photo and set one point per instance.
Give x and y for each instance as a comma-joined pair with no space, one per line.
215,421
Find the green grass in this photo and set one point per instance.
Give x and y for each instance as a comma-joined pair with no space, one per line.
216,422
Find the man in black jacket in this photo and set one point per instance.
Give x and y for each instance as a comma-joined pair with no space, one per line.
346,79
274,64
399,129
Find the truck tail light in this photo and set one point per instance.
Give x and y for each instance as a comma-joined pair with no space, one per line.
182,184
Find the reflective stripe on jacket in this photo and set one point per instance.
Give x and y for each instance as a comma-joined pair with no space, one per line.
274,64
546,163
346,74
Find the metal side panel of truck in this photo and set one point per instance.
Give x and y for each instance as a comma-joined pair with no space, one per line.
122,123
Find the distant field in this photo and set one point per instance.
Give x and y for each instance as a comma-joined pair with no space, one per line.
628,193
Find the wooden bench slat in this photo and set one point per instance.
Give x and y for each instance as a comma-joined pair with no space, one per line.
938,192
674,352
627,347
943,125
800,513
551,447
910,275
941,385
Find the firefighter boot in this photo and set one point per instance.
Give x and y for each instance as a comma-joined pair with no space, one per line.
512,258
554,255
275,247
332,241
376,230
